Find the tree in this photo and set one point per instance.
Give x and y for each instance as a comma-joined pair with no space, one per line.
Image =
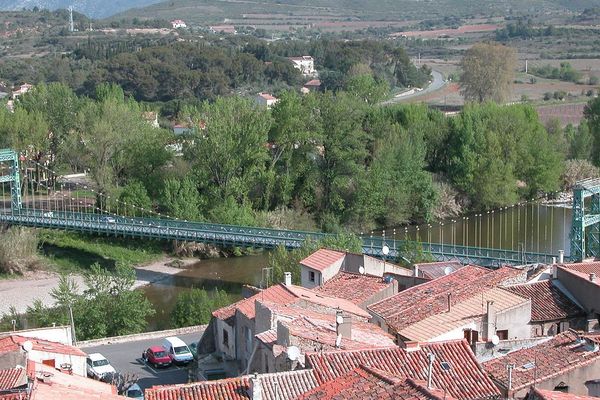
195,306
488,72
592,115
134,198
180,199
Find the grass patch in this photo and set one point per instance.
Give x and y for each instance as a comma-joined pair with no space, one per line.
75,252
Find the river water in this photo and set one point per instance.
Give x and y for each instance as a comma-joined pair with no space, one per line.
228,274
530,227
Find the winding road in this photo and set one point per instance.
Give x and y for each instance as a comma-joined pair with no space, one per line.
437,83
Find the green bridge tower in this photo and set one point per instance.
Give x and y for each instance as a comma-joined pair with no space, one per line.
11,157
585,231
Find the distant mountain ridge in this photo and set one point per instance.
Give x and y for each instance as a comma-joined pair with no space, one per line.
92,8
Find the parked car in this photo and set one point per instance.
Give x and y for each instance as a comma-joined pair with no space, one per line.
48,214
156,356
98,367
109,220
135,392
177,350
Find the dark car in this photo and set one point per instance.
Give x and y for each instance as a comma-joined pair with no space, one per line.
157,356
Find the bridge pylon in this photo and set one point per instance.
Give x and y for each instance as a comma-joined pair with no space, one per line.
585,230
11,157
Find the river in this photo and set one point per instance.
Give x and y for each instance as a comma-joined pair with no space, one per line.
532,227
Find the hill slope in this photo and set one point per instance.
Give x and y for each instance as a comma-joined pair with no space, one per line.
199,11
91,8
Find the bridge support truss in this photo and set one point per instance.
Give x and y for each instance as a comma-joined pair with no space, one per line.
585,231
11,158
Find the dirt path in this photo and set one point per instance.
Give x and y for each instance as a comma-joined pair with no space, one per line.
21,293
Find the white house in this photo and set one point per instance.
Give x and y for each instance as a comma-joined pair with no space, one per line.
306,64
266,99
177,23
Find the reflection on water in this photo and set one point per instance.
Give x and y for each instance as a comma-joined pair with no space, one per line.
228,274
532,227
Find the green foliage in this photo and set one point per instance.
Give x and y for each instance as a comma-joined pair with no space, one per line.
592,115
282,260
195,306
580,141
367,88
18,250
565,72
181,199
134,199
107,307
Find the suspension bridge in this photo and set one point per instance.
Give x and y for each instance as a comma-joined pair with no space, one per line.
35,196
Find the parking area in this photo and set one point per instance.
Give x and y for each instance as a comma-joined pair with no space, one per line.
127,358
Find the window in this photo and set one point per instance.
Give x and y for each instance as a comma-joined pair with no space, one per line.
225,338
248,336
562,387
503,334
311,276
471,336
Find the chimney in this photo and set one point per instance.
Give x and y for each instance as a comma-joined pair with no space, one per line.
510,370
416,273
255,388
410,345
490,321
592,277
553,260
431,357
561,256
449,301
287,278
554,271
343,325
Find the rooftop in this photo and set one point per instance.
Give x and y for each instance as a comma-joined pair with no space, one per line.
540,394
558,355
267,96
435,270
14,342
455,368
431,298
548,302
280,386
583,270
12,378
282,294
354,287
322,259
461,313
313,82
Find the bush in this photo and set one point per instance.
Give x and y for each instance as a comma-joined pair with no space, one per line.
18,250
195,306
576,170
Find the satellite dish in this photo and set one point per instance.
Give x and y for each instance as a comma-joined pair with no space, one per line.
27,346
448,270
495,340
385,250
339,319
361,270
293,353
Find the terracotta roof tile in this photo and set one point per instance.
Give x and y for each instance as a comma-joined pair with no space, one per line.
464,380
547,301
555,356
540,394
461,313
322,259
583,270
11,378
356,288
14,343
311,296
276,293
280,386
435,270
431,298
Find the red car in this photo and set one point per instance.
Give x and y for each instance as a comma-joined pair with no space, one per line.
157,356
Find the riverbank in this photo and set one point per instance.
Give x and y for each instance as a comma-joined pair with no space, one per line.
20,293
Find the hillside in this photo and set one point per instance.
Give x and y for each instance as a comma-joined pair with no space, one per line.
298,12
91,8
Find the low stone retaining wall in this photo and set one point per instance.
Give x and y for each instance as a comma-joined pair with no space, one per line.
142,336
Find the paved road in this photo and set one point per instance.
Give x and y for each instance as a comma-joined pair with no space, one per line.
437,83
127,357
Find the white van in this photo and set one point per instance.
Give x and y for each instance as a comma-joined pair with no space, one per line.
177,350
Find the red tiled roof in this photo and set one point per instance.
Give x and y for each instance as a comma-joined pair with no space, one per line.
548,302
322,259
267,96
276,294
464,380
268,337
280,386
14,343
556,356
431,298
313,82
540,394
310,296
435,270
356,288
583,270
11,378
